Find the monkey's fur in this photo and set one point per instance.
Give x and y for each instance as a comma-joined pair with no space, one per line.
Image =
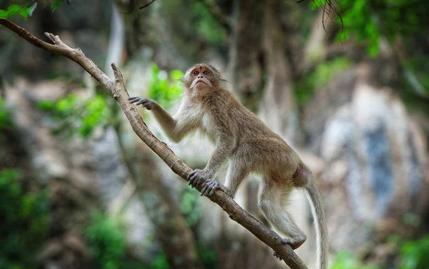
249,145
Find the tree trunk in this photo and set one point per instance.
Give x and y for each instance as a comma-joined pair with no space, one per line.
171,229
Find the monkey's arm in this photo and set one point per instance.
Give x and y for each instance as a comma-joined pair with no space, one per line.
210,185
175,129
221,153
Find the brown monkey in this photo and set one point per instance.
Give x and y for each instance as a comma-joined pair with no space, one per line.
249,145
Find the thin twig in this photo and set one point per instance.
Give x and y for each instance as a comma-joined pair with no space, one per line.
148,4
117,89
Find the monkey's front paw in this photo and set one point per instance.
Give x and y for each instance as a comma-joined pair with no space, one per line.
147,103
209,187
196,177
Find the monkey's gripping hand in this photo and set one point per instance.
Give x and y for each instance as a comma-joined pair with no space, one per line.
201,178
147,103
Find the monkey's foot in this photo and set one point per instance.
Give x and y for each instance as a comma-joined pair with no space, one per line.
294,243
275,254
209,187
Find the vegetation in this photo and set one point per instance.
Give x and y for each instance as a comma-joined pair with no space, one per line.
321,76
345,260
77,115
395,26
165,87
25,220
5,116
414,254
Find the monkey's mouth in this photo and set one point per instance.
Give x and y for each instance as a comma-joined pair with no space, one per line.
200,81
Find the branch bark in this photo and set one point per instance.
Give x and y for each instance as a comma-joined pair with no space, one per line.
119,92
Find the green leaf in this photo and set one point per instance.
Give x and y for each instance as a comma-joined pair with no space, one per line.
13,9
56,4
28,11
3,13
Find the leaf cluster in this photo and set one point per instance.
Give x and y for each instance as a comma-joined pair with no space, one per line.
75,115
368,21
165,87
26,9
25,221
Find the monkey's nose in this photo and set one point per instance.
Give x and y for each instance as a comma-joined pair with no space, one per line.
200,76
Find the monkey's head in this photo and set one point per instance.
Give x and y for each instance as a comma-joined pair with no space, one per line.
202,77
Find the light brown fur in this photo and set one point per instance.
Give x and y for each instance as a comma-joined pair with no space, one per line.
250,146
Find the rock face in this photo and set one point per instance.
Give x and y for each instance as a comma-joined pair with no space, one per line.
375,160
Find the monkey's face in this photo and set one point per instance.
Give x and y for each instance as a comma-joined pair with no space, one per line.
202,77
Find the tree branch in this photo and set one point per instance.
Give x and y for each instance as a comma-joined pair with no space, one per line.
117,89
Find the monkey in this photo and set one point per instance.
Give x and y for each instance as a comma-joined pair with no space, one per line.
250,147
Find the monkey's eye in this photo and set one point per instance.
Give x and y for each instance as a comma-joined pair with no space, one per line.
206,72
195,73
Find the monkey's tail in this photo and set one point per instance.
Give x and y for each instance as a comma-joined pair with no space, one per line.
320,223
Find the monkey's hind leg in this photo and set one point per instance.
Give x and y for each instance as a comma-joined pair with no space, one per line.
272,201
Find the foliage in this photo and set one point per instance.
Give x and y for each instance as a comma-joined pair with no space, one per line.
414,254
206,25
5,116
160,262
25,221
208,256
163,87
368,21
106,238
107,242
344,260
76,115
23,10
194,21
26,10
321,75
190,206
418,65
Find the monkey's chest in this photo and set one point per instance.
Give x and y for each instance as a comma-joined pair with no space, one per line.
208,126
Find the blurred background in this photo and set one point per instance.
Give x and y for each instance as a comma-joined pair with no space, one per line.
78,189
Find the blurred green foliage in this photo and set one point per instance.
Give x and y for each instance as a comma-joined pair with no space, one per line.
106,238
207,256
165,87
26,10
5,116
368,21
25,221
76,115
418,65
319,77
23,10
206,25
107,242
194,23
191,206
160,262
345,260
414,254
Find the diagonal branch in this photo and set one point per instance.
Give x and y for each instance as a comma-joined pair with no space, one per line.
117,89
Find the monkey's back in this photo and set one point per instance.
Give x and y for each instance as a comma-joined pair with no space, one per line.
253,137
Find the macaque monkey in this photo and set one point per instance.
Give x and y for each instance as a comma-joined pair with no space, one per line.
249,145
